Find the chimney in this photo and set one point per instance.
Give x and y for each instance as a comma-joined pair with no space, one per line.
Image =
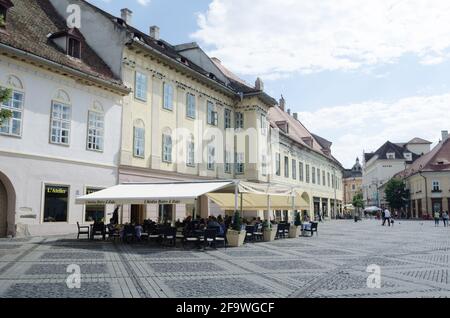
444,135
154,32
259,84
126,15
295,116
282,103
289,111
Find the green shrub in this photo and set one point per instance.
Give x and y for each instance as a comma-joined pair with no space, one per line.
237,223
298,220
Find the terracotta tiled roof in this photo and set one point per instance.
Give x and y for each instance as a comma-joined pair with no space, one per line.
28,26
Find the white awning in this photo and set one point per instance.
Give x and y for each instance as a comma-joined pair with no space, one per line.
155,193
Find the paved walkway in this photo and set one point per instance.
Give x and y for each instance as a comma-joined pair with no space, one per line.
413,256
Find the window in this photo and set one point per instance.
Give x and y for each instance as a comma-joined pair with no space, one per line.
96,124
13,125
94,213
167,148
239,121
140,87
308,171
139,142
286,167
239,163
324,183
264,125
212,114
264,165
168,96
60,123
329,183
301,171
294,169
436,186
227,118
278,164
211,157
190,106
408,156
190,153
56,203
313,175
390,155
353,187
227,167
318,176
74,48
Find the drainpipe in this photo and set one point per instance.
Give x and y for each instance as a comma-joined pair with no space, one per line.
426,190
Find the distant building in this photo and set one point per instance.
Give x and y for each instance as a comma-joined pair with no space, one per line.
428,181
391,158
352,182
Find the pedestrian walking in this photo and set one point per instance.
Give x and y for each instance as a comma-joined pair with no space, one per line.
387,217
437,217
445,218
383,217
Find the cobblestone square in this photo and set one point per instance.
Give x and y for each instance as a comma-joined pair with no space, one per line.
413,258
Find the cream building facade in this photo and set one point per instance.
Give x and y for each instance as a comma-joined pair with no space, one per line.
189,118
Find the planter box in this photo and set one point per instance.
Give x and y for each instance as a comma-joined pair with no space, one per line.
235,238
270,234
294,231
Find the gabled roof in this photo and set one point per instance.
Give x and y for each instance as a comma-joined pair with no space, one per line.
438,159
28,26
390,147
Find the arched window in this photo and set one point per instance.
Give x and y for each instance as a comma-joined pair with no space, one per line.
60,119
14,105
190,151
167,145
96,128
139,139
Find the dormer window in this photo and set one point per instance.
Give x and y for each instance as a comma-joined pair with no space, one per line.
74,48
408,156
5,5
390,155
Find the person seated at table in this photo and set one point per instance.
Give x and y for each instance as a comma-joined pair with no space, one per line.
138,229
202,224
212,223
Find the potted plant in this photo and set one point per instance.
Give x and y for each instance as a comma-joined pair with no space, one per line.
295,229
269,231
235,235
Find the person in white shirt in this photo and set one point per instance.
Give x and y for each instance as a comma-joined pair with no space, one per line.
387,217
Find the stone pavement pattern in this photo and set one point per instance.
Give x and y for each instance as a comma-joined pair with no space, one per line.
413,256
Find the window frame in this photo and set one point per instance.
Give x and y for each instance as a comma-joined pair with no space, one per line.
101,137
190,153
137,76
211,164
70,50
61,121
228,118
286,166
168,94
278,164
167,148
191,106
10,108
44,188
135,142
239,165
212,117
239,120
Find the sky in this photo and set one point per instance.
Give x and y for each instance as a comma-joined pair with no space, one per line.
359,73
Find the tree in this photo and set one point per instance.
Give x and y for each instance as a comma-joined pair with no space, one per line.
358,202
5,94
237,223
396,194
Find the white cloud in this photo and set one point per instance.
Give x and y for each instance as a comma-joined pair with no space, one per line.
144,2
366,126
268,37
